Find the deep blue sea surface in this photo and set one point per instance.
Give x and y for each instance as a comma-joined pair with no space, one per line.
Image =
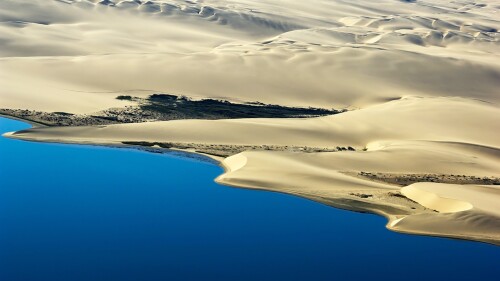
72,212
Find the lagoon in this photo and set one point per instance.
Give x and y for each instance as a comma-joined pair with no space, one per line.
76,212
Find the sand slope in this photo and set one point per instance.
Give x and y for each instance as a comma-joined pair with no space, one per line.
412,118
464,211
319,53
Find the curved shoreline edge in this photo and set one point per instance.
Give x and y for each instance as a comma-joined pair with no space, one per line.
399,217
393,214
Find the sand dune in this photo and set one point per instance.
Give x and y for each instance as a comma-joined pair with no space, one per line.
334,53
483,198
420,80
464,211
430,120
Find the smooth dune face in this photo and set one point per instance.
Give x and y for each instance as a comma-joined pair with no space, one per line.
456,197
318,53
421,80
464,211
409,119
432,200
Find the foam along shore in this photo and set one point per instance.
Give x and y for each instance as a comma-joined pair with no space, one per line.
430,145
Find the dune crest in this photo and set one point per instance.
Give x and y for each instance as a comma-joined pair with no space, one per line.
433,201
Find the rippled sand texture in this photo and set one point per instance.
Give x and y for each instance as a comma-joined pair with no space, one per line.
421,80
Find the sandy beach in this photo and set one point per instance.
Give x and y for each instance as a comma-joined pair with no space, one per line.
414,86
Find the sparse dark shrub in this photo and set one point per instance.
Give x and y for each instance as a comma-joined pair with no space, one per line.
124,98
63,113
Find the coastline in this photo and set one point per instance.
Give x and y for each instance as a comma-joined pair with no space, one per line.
204,157
394,213
32,123
367,207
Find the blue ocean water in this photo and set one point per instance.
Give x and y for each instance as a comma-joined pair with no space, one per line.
72,212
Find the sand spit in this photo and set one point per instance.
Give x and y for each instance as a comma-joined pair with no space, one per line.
372,128
266,156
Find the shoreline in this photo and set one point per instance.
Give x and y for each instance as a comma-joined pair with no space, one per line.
32,123
352,203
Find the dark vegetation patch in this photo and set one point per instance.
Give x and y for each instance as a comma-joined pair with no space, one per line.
124,98
149,144
407,179
180,107
399,195
164,107
361,195
225,150
63,113
56,118
342,148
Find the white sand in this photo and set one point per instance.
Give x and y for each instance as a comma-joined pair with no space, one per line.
456,198
318,53
465,211
413,118
423,78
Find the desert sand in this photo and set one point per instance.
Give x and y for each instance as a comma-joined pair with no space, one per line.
420,81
